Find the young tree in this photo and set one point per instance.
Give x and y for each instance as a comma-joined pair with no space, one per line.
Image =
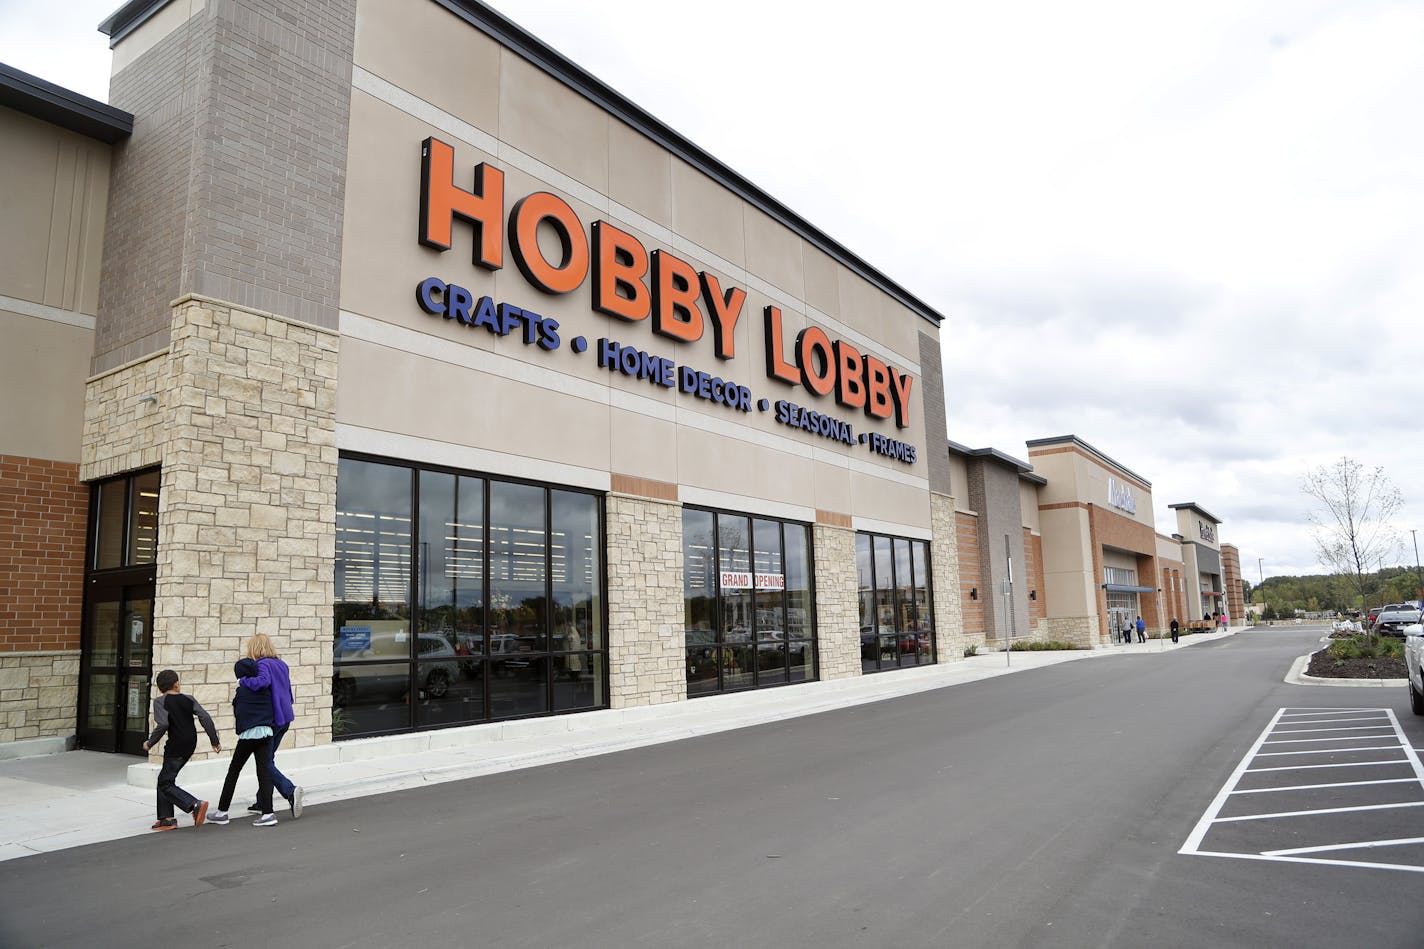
1351,521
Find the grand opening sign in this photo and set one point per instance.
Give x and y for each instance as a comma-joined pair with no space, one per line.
657,288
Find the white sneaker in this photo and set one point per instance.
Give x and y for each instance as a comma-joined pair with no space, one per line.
296,802
266,820
217,817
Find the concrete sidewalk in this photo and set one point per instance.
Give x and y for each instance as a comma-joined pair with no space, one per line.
53,802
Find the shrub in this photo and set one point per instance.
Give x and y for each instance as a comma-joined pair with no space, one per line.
1043,646
971,650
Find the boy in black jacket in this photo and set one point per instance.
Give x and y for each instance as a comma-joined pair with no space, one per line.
173,712
253,710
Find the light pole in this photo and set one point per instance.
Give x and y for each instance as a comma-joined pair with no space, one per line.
1261,572
1417,572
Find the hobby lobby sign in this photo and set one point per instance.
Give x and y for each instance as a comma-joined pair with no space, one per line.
629,282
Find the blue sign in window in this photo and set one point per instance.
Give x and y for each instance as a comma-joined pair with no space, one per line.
355,638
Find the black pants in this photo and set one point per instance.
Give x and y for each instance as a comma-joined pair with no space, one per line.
170,795
1141,636
256,748
1174,635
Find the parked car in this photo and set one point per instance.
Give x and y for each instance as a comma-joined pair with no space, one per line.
1392,622
356,680
1413,658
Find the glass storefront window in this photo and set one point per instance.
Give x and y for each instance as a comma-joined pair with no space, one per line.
143,519
748,614
110,519
896,620
507,616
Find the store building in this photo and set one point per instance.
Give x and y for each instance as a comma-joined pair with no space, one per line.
1065,548
486,393
381,327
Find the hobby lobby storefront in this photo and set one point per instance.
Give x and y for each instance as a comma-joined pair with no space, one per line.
485,393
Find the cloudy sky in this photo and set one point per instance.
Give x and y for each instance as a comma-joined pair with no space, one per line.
1190,234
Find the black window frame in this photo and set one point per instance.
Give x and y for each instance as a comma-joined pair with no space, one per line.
754,640
874,664
413,660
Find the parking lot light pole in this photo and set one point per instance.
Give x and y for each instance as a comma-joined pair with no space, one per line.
1261,572
1417,572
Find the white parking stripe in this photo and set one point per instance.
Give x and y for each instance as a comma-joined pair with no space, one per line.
1410,759
1336,764
1315,860
1312,731
1327,751
1194,839
1357,845
1323,810
1313,787
1301,741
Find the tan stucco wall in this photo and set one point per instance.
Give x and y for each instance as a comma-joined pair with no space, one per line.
492,106
54,188
54,194
42,367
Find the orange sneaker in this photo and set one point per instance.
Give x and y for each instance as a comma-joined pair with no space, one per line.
165,823
200,813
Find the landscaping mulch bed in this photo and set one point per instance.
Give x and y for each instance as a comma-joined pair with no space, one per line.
1325,666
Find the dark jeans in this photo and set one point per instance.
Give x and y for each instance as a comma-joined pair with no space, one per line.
170,795
1174,635
1141,636
280,781
260,750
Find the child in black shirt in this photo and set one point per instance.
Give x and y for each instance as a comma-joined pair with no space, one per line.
174,712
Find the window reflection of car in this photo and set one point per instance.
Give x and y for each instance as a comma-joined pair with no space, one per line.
360,676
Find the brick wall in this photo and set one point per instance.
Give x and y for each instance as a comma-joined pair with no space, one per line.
970,577
1033,569
936,427
233,183
43,514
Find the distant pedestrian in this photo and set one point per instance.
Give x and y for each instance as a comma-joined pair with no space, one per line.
273,675
1141,630
253,711
173,713
1176,629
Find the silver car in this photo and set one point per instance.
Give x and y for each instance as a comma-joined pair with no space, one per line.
1413,660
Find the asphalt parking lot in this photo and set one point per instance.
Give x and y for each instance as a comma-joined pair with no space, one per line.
1334,786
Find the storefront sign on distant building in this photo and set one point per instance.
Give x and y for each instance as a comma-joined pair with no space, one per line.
1120,496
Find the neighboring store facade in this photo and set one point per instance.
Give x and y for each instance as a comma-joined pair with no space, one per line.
1074,531
1202,566
484,392
1001,581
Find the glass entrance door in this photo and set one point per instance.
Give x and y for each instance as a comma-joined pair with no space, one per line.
116,667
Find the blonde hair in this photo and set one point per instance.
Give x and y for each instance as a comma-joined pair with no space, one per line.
260,647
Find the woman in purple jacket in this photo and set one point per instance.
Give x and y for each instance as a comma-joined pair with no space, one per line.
272,674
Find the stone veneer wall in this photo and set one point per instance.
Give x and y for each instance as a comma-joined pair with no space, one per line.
244,427
124,429
1081,631
944,567
647,654
837,607
39,692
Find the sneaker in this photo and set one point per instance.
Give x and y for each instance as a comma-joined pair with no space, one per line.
253,808
266,820
200,813
218,817
296,802
165,823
